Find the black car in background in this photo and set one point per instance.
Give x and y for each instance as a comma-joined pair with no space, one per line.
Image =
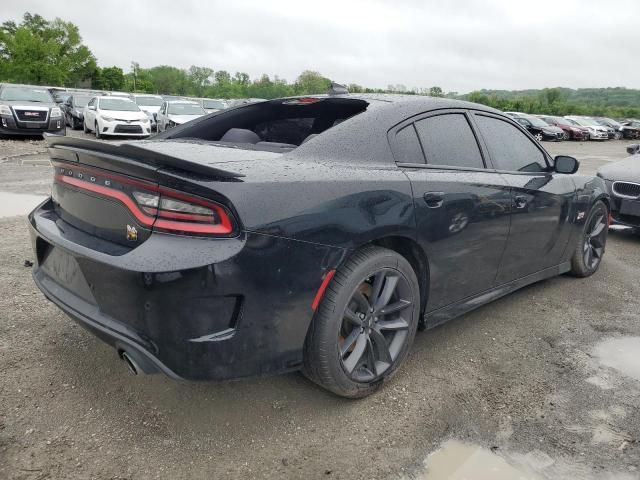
619,131
28,110
540,129
73,108
632,126
623,183
309,233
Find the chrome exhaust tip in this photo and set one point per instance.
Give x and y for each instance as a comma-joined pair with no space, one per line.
132,365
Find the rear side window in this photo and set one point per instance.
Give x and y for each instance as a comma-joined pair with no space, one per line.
448,140
510,149
406,148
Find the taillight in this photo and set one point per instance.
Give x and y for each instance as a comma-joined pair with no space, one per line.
160,208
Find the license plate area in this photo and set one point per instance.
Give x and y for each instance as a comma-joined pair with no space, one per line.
630,207
64,270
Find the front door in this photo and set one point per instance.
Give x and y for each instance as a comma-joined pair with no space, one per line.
461,208
540,199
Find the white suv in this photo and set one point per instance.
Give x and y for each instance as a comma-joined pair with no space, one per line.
115,116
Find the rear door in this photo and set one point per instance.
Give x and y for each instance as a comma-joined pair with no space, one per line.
540,198
462,208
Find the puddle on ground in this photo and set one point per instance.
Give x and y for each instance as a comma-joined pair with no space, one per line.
460,461
621,354
15,204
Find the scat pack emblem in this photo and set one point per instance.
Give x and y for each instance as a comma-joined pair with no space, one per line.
132,234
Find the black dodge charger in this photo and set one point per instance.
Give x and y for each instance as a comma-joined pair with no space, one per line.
311,233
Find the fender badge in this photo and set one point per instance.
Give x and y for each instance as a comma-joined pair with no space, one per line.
132,234
580,215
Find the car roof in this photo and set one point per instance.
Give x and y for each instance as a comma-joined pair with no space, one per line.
190,102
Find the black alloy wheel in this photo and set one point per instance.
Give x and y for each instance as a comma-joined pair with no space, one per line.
365,323
591,247
373,329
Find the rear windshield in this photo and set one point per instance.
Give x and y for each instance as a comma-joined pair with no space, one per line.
282,123
213,104
148,101
25,94
185,109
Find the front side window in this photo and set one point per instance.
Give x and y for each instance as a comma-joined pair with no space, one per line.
448,140
510,149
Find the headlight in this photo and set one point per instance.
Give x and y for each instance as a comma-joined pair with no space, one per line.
107,119
144,120
56,112
5,110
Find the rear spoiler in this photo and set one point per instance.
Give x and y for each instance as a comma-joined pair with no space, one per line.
67,148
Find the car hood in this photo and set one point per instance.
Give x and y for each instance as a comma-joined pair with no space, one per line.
180,119
123,115
626,170
22,103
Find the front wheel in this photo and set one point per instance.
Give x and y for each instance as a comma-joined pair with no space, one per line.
592,242
364,325
538,137
97,130
84,127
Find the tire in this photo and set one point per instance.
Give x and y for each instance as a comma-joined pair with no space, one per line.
84,127
97,130
618,136
538,137
592,242
565,136
352,355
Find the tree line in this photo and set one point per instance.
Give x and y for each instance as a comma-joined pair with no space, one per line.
50,52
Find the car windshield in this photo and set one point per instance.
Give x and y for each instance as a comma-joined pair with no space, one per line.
213,104
186,109
536,122
25,94
586,122
81,101
611,122
148,101
120,104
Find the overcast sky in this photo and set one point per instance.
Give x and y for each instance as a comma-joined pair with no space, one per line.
460,45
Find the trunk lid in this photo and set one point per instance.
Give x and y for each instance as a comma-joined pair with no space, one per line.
98,187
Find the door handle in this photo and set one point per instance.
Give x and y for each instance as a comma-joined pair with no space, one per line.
520,202
434,199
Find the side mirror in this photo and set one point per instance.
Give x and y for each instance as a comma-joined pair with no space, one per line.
633,149
565,164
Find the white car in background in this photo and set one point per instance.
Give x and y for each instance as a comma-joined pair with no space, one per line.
115,116
212,105
596,131
149,104
176,112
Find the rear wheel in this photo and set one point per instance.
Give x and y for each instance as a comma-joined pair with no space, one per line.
364,325
591,244
565,135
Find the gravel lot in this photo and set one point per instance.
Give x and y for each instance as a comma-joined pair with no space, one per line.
545,379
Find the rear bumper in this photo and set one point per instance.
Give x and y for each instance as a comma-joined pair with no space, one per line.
198,309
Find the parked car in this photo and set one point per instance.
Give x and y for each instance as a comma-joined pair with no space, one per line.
73,109
212,105
176,112
29,110
149,104
596,131
632,126
307,233
109,115
623,184
617,127
572,131
540,129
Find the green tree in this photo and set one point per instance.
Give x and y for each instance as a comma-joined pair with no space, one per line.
44,52
310,82
200,79
436,92
112,78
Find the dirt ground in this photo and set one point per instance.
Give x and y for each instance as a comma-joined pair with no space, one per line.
528,378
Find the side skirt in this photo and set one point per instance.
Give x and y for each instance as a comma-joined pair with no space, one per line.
444,314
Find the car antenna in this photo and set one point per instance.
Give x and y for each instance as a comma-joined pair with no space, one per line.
337,89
